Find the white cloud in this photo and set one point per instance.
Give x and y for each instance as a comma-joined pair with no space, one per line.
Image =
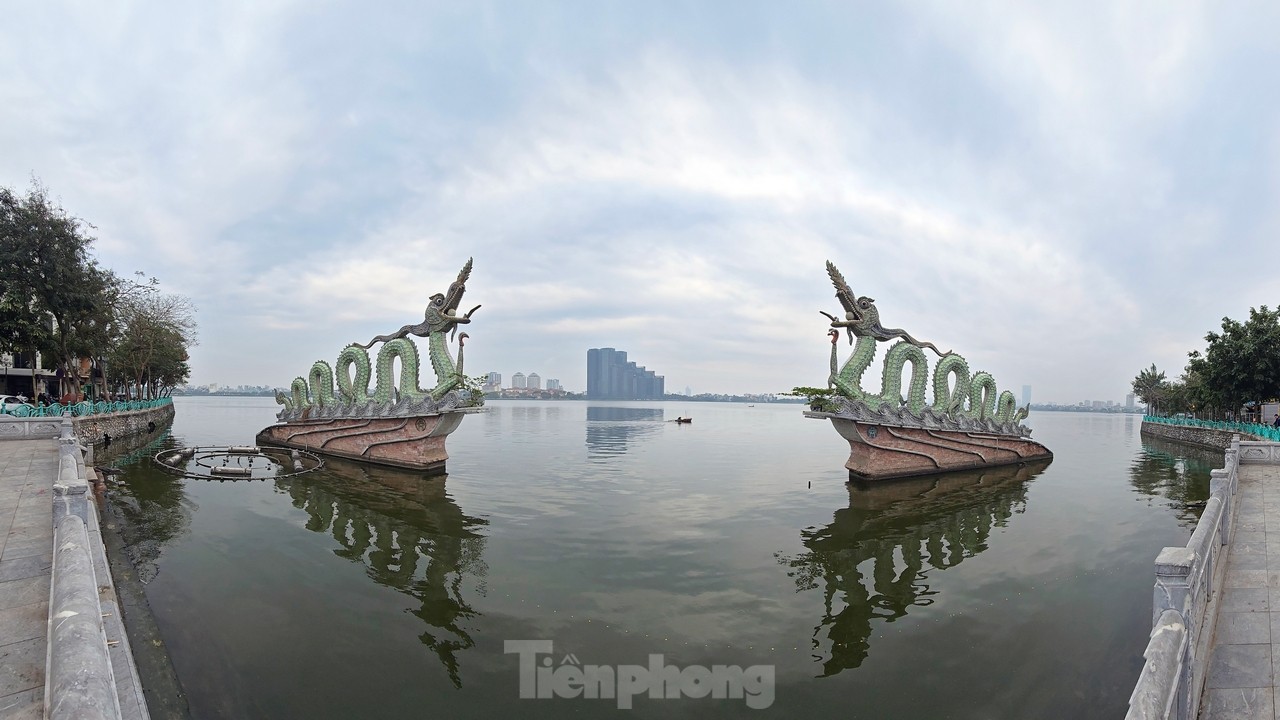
1007,182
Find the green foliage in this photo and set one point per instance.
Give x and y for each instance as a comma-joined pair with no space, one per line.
154,333
820,399
1149,386
473,385
1242,363
57,300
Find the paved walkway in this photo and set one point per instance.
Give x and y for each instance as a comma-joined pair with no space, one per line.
1244,663
27,472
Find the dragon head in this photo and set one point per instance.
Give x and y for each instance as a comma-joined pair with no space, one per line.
442,310
453,297
860,315
867,318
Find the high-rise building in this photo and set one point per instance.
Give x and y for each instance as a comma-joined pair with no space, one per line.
534,381
553,384
611,376
518,381
494,380
1128,401
1026,395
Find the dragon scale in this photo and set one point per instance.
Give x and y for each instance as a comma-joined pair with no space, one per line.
447,373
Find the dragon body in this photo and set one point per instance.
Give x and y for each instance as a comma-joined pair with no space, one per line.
957,394
316,392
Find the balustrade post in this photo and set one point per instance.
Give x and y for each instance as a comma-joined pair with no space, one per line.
1220,486
1173,592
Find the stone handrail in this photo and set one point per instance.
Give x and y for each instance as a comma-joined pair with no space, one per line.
1187,580
82,679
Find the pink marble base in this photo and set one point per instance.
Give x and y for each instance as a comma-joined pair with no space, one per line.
878,452
416,443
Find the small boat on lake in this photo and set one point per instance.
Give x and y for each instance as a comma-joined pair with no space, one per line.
683,420
402,426
968,426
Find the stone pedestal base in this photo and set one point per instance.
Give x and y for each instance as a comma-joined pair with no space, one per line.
878,452
415,443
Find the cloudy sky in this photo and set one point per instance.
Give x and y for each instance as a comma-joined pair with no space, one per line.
1063,193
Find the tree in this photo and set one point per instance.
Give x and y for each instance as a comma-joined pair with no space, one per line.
155,331
1149,386
49,274
1242,363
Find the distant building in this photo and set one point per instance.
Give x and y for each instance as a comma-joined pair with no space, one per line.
495,380
518,381
610,376
688,391
534,381
1128,401
553,384
1026,395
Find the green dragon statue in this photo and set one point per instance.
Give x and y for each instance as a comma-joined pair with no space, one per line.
318,398
952,383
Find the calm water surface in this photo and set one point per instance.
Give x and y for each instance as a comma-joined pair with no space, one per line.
359,592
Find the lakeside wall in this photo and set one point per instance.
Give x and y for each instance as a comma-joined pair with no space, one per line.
1200,436
89,429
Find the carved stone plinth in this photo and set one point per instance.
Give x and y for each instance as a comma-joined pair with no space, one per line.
878,452
416,443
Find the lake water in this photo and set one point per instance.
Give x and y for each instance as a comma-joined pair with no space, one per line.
735,540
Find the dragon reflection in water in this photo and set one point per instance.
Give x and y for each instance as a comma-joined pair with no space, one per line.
410,536
933,522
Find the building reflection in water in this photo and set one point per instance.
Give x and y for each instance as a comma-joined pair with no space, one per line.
1176,472
875,554
410,536
610,429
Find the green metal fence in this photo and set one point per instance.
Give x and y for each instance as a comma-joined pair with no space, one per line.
86,408
1266,432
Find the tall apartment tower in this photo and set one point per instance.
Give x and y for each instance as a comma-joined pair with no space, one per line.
518,381
610,376
534,381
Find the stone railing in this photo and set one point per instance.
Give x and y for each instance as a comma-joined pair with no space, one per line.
1187,580
86,674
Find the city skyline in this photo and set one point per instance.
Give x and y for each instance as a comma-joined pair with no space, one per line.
1038,188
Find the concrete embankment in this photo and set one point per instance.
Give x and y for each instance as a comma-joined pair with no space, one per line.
1200,436
89,429
92,429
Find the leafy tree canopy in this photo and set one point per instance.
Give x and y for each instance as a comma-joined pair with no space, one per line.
1242,363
